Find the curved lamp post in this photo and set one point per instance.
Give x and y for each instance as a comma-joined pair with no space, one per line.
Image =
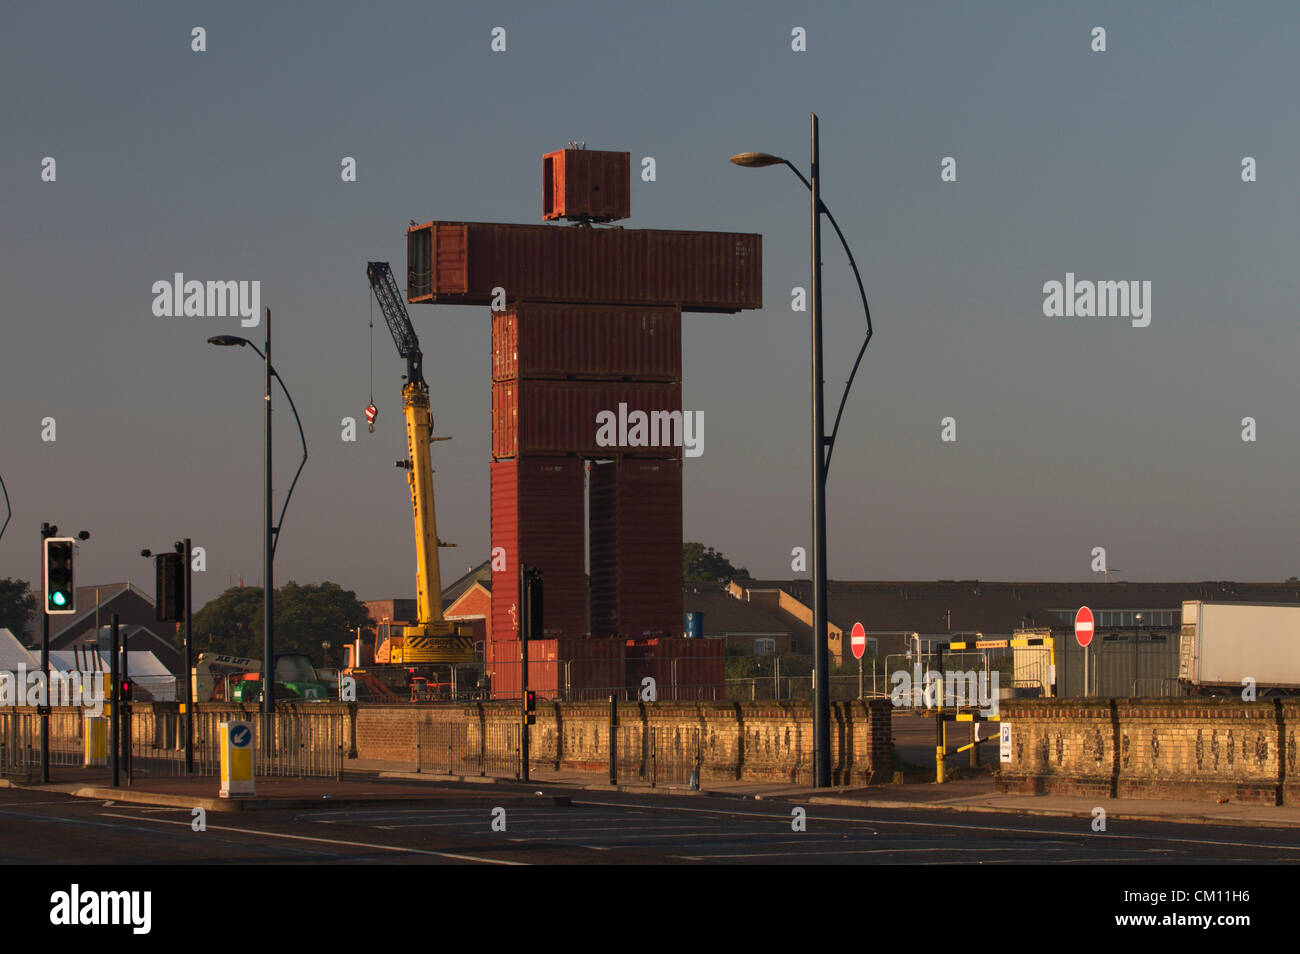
823,446
272,535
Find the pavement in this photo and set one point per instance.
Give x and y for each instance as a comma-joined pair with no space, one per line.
367,783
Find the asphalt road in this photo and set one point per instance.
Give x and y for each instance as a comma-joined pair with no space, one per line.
600,828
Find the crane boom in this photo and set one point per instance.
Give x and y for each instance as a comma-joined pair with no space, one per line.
432,639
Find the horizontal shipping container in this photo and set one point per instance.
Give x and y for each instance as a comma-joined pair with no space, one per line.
537,518
552,418
463,263
540,340
636,548
572,669
586,185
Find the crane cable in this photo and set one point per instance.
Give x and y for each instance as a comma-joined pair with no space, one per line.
371,411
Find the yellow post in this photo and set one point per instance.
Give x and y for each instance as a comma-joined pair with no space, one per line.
236,741
96,741
940,741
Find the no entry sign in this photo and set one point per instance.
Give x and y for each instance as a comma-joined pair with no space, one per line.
858,640
1083,626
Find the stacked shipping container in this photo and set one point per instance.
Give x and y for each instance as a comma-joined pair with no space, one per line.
555,368
592,325
636,548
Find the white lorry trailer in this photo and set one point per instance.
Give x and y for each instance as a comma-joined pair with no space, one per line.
1223,644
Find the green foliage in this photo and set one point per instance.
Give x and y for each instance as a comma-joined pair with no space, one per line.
305,617
17,605
701,564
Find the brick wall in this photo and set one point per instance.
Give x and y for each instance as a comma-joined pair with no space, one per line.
1208,749
760,741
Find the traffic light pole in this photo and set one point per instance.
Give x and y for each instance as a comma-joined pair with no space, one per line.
189,681
46,531
525,619
45,709
115,703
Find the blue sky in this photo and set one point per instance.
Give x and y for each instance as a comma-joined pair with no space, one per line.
1071,433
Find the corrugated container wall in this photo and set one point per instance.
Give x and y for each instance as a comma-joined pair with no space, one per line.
537,517
539,340
464,262
636,548
586,184
552,418
683,669
570,669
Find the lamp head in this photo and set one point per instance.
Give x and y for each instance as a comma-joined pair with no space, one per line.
756,160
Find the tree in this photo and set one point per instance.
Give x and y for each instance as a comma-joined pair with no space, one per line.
231,624
17,605
305,617
701,564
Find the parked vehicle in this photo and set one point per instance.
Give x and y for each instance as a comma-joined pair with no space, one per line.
1227,646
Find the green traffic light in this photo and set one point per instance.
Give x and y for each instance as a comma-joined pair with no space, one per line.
58,599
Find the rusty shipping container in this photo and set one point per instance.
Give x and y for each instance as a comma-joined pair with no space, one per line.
568,669
540,340
636,548
586,184
461,263
684,670
537,518
554,418
502,666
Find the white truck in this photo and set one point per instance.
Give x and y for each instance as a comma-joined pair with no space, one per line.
1225,644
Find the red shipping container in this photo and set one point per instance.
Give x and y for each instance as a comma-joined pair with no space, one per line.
462,263
551,418
636,548
568,669
538,340
503,670
537,518
586,185
683,669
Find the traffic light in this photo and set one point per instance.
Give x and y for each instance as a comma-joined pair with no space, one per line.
169,568
126,690
532,628
530,706
60,590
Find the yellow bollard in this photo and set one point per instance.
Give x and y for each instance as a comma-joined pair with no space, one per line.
96,741
236,740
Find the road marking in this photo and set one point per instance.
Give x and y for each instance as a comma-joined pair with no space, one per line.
950,825
945,849
326,841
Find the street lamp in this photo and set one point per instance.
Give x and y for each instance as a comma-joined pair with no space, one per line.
272,530
823,446
9,511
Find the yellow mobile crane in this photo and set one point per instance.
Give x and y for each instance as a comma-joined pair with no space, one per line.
432,639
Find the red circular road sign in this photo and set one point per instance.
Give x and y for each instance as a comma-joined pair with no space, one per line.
1083,626
858,640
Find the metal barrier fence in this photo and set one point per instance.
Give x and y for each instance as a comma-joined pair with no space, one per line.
20,741
675,756
683,679
461,747
297,744
658,756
